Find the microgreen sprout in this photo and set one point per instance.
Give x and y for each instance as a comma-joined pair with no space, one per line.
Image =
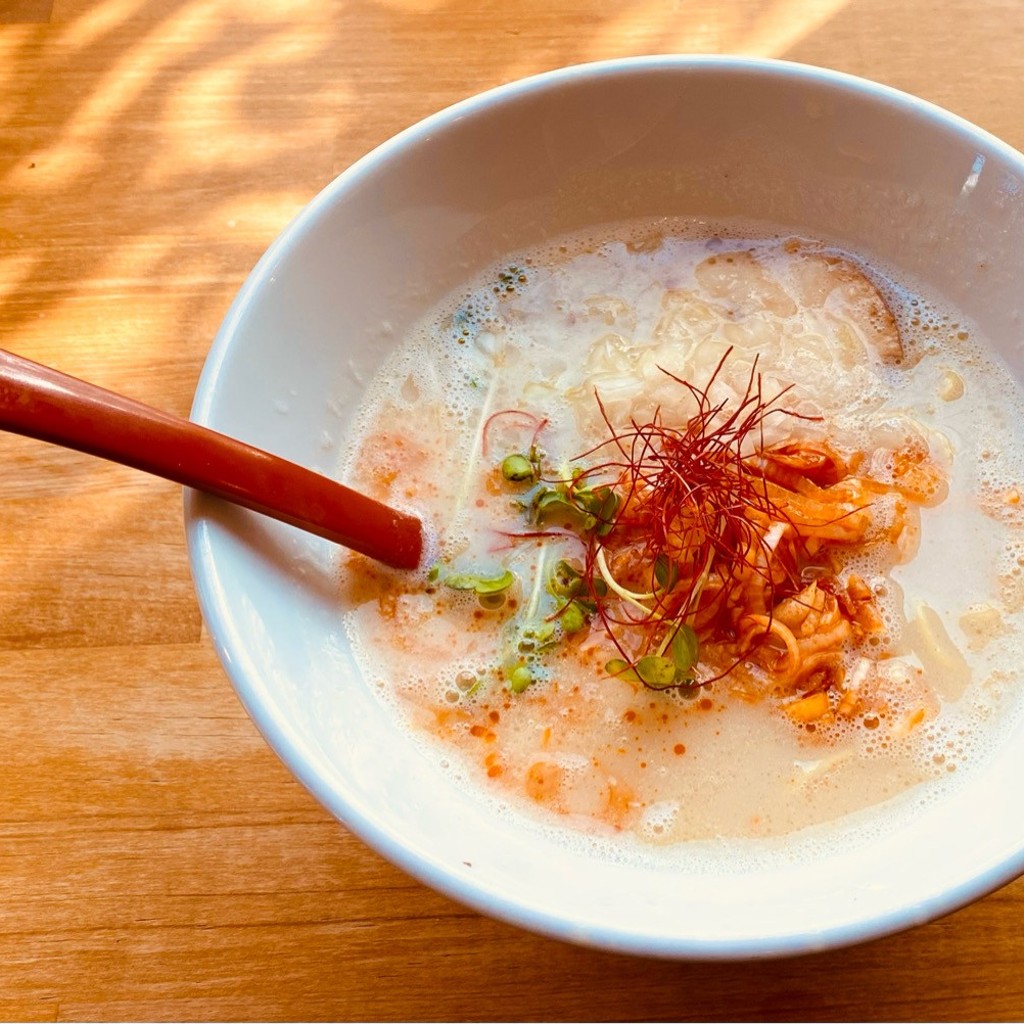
566,584
536,637
666,572
663,671
491,591
517,469
519,678
587,509
573,618
566,580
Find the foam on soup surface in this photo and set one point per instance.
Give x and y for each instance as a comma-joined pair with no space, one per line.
727,535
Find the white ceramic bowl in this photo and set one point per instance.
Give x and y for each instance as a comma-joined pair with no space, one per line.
824,154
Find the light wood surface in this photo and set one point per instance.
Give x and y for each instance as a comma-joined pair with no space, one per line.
156,861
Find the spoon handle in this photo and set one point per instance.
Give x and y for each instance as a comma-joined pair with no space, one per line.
43,403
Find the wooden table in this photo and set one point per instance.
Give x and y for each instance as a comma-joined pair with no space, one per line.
156,861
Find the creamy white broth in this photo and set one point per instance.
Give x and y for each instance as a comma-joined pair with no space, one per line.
579,747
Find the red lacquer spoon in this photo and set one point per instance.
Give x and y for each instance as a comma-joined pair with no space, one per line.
43,403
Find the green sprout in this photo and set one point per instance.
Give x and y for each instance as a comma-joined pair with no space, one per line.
661,671
491,591
517,469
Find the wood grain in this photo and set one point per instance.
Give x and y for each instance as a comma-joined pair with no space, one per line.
157,862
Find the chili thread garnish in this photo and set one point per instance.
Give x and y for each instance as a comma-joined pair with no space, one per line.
528,419
693,508
695,534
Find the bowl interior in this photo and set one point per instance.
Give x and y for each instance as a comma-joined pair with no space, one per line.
827,156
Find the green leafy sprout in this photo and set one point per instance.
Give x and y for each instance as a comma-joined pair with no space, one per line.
571,601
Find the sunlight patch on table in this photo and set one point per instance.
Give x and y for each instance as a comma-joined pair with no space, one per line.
765,30
86,29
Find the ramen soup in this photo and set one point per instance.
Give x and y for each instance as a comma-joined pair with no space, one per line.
726,535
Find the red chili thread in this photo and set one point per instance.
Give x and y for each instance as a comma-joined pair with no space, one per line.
694,502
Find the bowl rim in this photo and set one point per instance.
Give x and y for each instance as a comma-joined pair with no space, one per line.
285,743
